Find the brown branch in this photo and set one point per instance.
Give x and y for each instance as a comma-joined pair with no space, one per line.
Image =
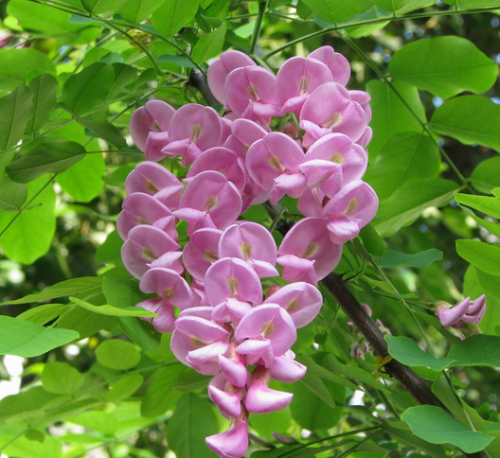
198,80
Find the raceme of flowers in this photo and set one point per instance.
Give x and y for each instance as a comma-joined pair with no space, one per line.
222,324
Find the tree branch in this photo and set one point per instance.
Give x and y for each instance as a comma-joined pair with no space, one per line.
198,80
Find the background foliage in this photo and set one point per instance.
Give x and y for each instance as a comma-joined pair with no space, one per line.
96,377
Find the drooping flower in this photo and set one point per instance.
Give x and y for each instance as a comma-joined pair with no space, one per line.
466,311
232,443
336,62
201,252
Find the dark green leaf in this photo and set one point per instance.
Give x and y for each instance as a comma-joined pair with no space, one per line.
160,396
209,45
110,249
391,259
406,351
177,60
44,100
192,422
190,380
12,195
445,66
477,350
435,426
45,156
22,338
470,119
117,354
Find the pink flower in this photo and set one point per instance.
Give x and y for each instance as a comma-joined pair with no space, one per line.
232,443
336,62
286,369
349,210
260,398
250,92
308,240
172,289
302,301
244,133
273,163
197,342
219,70
329,155
149,125
193,130
148,246
254,244
153,179
265,331
221,160
225,396
209,200
466,311
139,208
233,367
201,252
331,109
296,79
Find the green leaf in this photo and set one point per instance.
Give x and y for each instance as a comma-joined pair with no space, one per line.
64,288
124,387
405,156
88,89
113,311
486,176
209,45
15,113
22,338
472,3
192,422
136,11
23,447
488,205
190,380
30,235
402,6
110,250
61,378
103,6
481,255
45,156
470,119
444,66
140,332
118,354
12,195
103,422
84,322
160,396
391,259
493,228
45,19
409,201
177,60
43,313
406,351
84,180
477,350
435,426
172,15
333,10
390,115
16,63
315,385
372,242
43,88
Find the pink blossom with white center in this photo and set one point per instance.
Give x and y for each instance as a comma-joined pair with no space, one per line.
254,244
330,109
209,200
151,178
273,163
193,130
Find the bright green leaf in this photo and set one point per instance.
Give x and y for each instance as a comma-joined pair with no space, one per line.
117,354
43,88
177,60
190,380
209,45
137,11
160,396
103,6
435,426
470,119
43,313
45,156
61,378
172,15
405,156
113,311
22,338
390,115
409,201
15,113
444,66
477,350
124,387
406,351
12,194
192,422
403,6
23,447
488,205
473,3
333,10
486,176
103,422
485,257
391,259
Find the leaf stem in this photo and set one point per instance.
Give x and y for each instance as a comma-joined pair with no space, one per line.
258,25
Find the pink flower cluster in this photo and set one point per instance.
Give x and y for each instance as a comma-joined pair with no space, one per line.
225,325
